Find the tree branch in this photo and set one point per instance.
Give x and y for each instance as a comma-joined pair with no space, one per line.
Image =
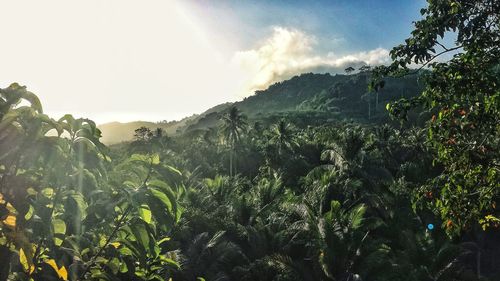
111,236
446,50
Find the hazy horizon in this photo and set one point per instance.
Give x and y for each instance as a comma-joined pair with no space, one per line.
165,60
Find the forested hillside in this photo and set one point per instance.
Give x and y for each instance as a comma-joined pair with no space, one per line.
390,173
321,97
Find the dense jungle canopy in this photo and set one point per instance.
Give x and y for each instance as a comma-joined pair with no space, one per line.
384,173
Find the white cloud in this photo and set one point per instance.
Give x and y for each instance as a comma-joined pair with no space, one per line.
289,52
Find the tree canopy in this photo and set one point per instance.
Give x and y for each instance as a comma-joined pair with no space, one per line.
306,195
463,95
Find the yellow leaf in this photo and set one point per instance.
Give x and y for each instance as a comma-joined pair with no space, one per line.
11,208
52,263
115,244
62,272
10,221
26,262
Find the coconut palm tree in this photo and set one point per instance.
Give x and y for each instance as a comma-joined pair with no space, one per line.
282,135
233,125
418,255
347,152
210,257
338,240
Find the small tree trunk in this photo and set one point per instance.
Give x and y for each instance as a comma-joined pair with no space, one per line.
231,162
235,161
369,110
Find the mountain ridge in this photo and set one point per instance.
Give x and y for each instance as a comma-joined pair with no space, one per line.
322,96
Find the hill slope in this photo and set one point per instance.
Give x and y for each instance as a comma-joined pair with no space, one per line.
321,96
116,132
306,96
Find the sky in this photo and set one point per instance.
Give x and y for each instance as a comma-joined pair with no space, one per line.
153,60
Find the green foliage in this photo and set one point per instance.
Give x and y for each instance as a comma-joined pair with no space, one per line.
70,212
318,203
309,197
463,97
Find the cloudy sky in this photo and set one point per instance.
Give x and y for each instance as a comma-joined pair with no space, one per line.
124,60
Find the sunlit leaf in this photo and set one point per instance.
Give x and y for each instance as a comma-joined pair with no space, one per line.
166,239
160,195
29,213
10,221
26,261
81,203
141,234
48,192
59,229
61,271
145,213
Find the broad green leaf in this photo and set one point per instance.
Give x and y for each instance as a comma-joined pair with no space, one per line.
140,158
170,262
29,213
165,239
114,265
145,213
80,203
163,198
59,229
160,212
141,234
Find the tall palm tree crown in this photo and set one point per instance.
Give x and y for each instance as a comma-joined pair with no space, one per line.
281,134
234,123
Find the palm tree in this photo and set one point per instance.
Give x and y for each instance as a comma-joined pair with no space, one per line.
418,256
368,97
282,135
338,240
211,257
378,88
347,153
234,124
